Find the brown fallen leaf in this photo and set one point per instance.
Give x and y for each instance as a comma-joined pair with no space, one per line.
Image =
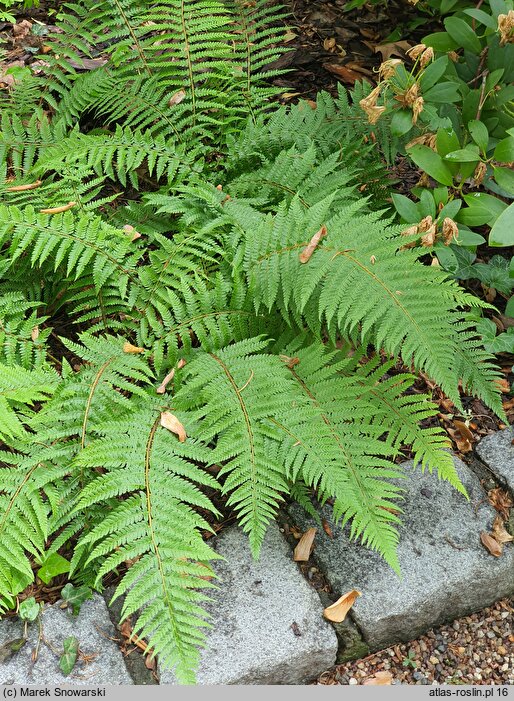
129,348
379,679
58,210
21,30
171,422
303,548
129,231
290,362
34,334
161,389
338,610
464,430
348,75
499,533
491,544
396,48
354,66
23,188
326,528
150,662
307,252
463,445
177,98
503,385
500,501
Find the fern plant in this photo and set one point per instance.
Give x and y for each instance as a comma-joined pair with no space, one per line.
196,296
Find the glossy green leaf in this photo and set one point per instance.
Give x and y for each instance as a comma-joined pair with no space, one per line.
440,41
462,34
406,208
432,73
401,122
53,565
463,155
481,17
482,209
509,309
443,92
504,151
502,233
432,163
479,134
75,596
505,179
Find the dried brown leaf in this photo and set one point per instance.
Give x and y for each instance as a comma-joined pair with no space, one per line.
326,528
499,533
397,48
161,389
58,210
171,422
307,252
501,501
347,75
464,430
23,188
491,544
304,546
177,98
379,679
338,610
129,348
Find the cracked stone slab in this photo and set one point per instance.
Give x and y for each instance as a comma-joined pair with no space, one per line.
497,452
253,638
446,572
92,627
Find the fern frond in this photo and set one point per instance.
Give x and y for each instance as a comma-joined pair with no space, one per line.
334,445
73,242
156,525
22,335
234,391
24,511
19,387
359,284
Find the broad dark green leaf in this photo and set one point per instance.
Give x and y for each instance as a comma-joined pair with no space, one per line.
432,163
502,233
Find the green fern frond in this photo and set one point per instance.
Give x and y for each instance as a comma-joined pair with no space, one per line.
24,511
362,286
333,445
19,387
23,336
158,476
73,242
121,154
234,391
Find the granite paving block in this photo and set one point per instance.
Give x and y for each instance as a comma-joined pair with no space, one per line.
103,663
497,451
268,622
446,572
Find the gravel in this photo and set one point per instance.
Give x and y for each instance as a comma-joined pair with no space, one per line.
476,649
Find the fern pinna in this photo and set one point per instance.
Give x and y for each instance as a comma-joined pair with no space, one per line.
196,297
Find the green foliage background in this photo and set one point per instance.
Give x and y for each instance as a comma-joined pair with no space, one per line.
188,200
